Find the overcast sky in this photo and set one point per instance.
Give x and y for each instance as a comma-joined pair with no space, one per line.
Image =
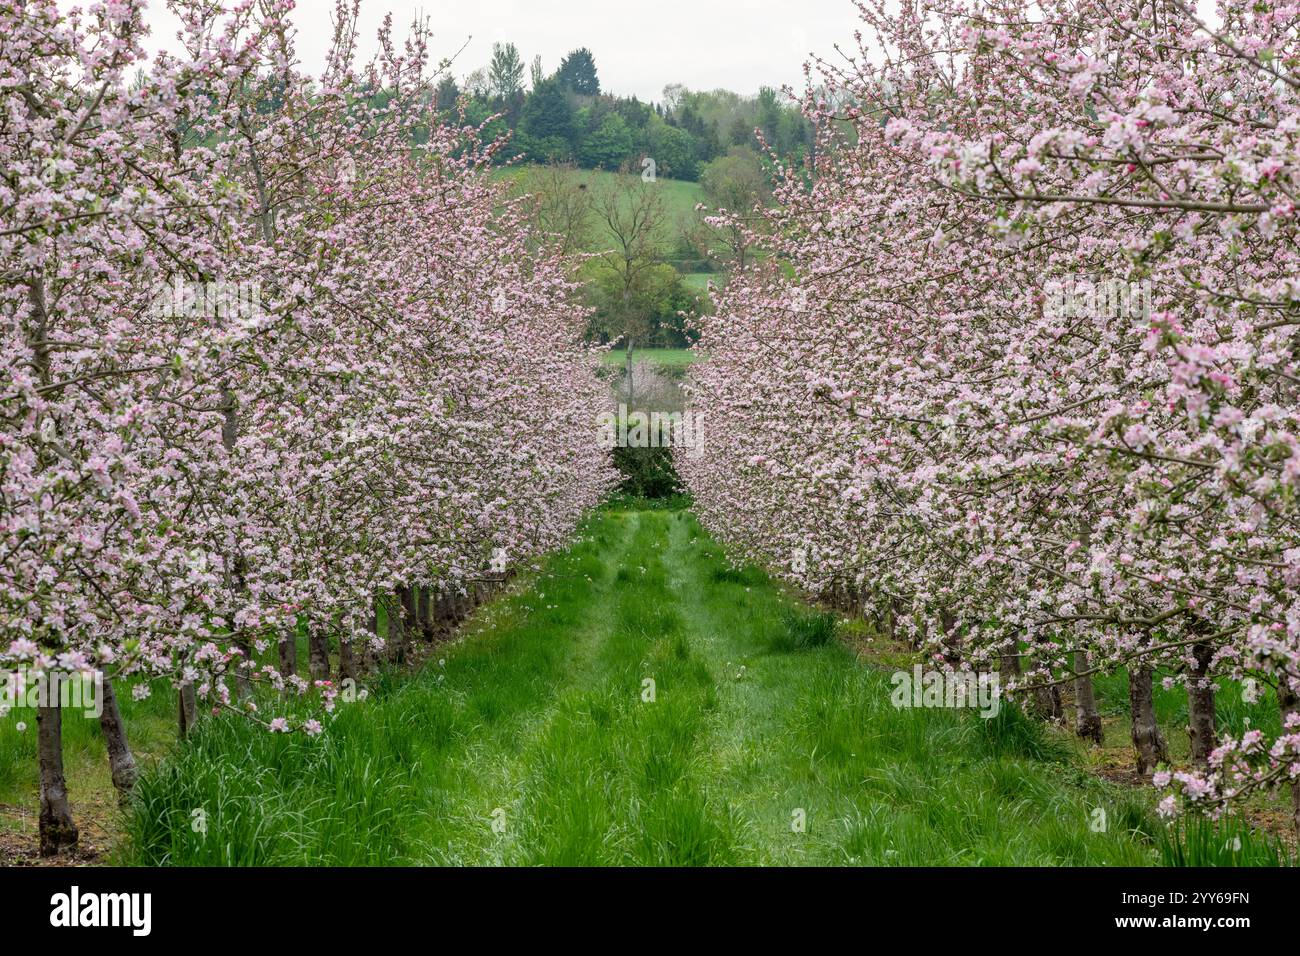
639,45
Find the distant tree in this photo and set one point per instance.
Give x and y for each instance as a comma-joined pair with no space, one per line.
793,134
547,115
769,114
538,75
634,218
737,183
718,119
635,113
446,95
608,146
477,84
741,131
478,110
551,149
562,205
578,73
703,134
505,71
674,150
653,302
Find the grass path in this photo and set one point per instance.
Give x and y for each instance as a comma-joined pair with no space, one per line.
535,741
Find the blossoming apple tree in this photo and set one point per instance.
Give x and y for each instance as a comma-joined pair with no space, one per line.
275,347
1019,373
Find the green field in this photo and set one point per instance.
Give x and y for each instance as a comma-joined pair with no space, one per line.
639,700
699,281
679,197
668,357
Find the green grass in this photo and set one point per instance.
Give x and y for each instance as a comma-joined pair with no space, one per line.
670,357
679,200
802,629
699,281
642,701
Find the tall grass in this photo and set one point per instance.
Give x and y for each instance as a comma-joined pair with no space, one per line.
1198,842
802,629
627,707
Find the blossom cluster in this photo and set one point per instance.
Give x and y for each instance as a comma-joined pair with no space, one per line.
400,395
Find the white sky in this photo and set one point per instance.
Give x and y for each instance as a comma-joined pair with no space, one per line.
639,45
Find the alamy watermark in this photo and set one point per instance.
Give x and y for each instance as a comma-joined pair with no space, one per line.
77,908
182,298
935,688
624,429
1104,299
31,690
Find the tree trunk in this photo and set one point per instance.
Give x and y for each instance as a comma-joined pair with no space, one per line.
348,669
121,762
1200,707
418,617
410,617
1009,665
1147,740
318,645
1047,701
445,612
889,619
396,629
951,639
57,831
243,685
367,652
289,655
1087,719
187,710
429,630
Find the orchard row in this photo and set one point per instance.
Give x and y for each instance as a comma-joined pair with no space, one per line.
919,425
275,347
